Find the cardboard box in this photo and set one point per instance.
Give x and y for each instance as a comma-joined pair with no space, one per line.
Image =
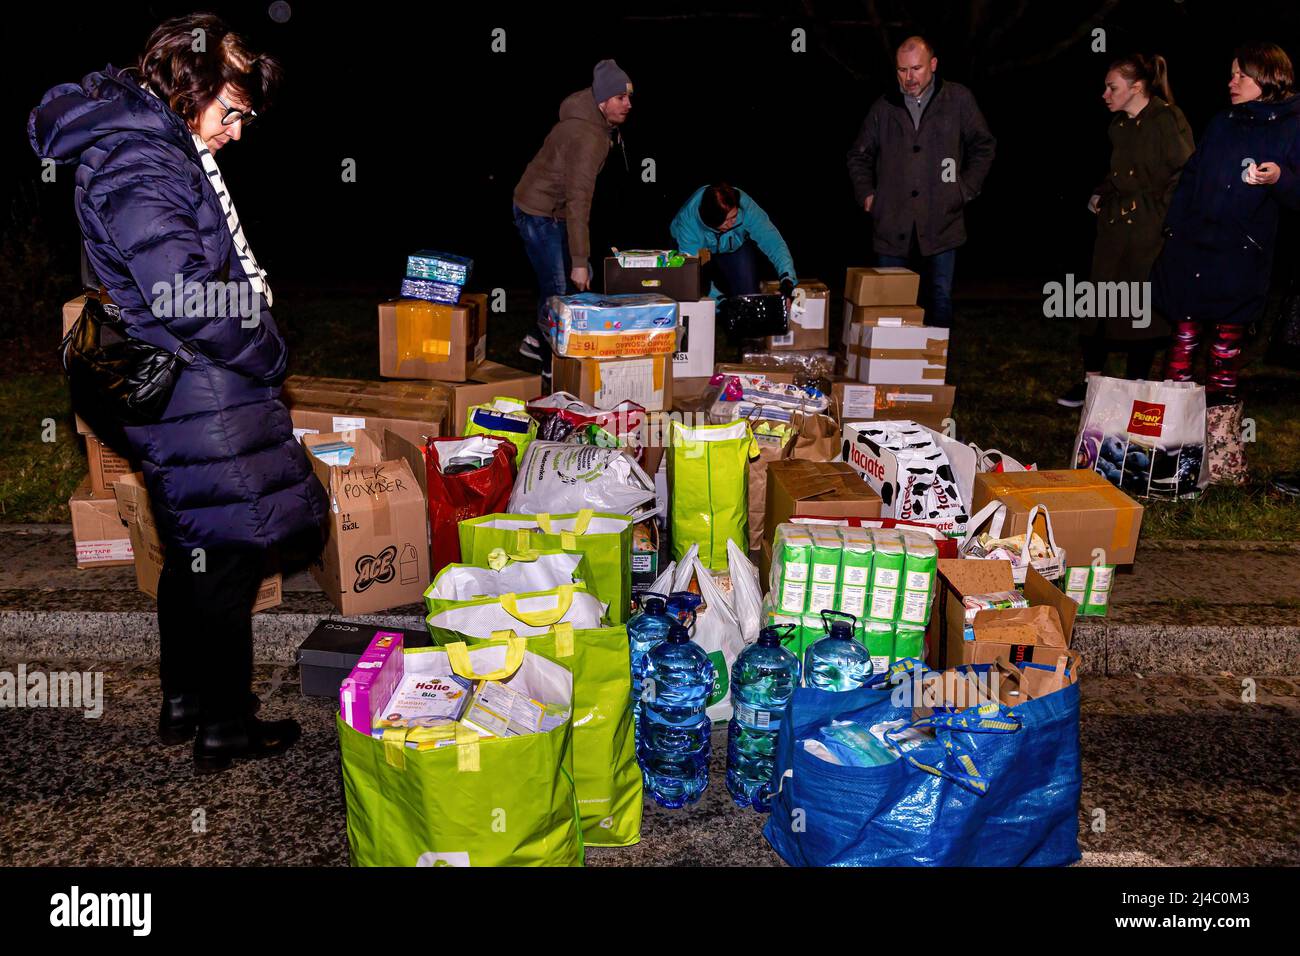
604,383
810,329
135,511
890,316
881,285
879,467
677,282
692,395
106,467
696,324
816,489
101,537
1015,634
419,339
328,654
490,381
1088,512
414,420
308,388
928,405
906,355
377,553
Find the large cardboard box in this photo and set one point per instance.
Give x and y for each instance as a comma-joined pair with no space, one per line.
881,285
1012,634
880,468
135,511
419,339
696,324
908,355
809,329
101,537
106,467
1088,512
677,282
815,489
307,388
890,316
376,555
490,381
413,419
604,383
928,405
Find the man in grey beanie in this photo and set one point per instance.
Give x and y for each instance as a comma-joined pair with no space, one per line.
552,201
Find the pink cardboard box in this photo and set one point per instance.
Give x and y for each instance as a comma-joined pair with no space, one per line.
372,681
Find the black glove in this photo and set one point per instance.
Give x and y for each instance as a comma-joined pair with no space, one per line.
787,287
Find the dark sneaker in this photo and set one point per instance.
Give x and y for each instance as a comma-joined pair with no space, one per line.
1288,484
531,348
1075,396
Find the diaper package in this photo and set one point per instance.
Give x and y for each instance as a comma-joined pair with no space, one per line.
588,325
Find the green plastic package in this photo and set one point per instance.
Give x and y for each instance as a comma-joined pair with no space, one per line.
503,418
908,642
879,641
605,539
708,471
855,571
888,560
791,571
920,565
444,806
824,568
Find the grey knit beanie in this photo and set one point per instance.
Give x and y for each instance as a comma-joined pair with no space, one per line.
608,80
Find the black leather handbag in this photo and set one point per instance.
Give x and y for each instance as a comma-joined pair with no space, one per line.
753,316
113,376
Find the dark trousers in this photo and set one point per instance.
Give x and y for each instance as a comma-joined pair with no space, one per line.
546,241
205,626
936,280
1140,355
735,273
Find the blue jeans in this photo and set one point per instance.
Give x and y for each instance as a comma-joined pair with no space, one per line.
735,273
936,281
546,241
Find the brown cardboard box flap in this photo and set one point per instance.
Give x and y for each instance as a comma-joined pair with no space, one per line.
1023,625
971,576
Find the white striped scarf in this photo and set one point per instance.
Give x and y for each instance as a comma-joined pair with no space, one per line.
256,276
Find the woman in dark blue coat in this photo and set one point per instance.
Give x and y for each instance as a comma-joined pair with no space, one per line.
1211,278
226,479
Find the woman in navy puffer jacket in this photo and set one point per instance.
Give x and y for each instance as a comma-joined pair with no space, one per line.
226,479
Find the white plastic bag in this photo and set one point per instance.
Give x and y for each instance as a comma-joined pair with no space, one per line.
746,593
557,478
542,572
717,630
526,614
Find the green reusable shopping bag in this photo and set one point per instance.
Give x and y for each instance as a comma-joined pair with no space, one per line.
504,418
606,540
496,801
605,769
708,472
528,614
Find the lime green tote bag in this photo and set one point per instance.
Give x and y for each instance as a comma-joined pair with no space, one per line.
708,471
605,769
467,800
606,540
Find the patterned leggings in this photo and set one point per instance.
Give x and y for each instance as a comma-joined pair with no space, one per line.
1225,355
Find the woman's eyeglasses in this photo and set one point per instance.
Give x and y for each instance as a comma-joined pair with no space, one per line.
233,116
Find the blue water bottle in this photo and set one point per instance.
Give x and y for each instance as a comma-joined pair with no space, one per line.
763,679
676,679
837,661
646,628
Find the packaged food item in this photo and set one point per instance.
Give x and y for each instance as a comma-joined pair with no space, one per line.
422,700
447,293
498,710
908,642
791,568
920,564
439,267
855,571
375,676
888,561
1090,587
335,452
878,638
824,569
997,601
649,258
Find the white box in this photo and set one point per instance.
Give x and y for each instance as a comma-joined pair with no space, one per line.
901,355
695,339
879,467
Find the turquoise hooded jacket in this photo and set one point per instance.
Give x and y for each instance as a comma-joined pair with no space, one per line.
690,234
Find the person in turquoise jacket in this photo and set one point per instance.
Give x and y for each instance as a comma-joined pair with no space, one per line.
733,229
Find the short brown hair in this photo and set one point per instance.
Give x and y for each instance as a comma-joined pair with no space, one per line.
1269,66
188,79
717,202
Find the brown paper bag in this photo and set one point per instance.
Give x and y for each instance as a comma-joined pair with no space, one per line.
818,439
768,451
1017,685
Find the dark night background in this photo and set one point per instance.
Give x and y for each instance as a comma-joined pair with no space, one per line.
441,127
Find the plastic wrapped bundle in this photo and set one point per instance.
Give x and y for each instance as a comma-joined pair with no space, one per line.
588,325
448,293
439,267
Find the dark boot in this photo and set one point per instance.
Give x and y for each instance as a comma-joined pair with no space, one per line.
241,738
178,719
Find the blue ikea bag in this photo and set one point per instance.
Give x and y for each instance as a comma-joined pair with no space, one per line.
996,786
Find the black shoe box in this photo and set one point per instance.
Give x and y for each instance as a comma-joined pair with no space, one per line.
333,648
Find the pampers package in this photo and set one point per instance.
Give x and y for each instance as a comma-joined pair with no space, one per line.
588,325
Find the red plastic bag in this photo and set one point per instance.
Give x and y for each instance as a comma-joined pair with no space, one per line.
471,493
562,416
